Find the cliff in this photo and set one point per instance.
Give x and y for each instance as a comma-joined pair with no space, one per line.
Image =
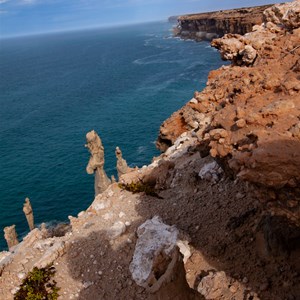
248,114
173,19
216,216
215,24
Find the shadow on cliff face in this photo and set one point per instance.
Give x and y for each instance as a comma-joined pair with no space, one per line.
103,268
233,231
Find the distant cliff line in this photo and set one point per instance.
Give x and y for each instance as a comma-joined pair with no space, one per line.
209,25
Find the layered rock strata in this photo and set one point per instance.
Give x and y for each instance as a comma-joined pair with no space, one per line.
206,26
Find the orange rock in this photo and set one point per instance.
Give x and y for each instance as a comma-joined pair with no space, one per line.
253,105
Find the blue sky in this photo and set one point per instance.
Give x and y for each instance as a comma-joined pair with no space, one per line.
21,17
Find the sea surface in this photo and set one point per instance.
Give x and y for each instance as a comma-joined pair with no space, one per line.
54,88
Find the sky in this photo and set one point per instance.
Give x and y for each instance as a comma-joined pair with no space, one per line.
24,17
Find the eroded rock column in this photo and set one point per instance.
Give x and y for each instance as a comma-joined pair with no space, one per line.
27,209
157,264
11,236
96,162
122,166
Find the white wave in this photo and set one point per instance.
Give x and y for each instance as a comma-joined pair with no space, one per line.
153,89
141,149
212,48
155,43
147,61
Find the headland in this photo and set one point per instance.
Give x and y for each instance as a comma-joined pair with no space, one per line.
216,215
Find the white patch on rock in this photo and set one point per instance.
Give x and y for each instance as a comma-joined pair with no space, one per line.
122,214
110,193
103,204
14,290
116,230
21,275
43,244
81,214
57,250
87,284
154,237
108,216
5,259
193,100
184,250
211,172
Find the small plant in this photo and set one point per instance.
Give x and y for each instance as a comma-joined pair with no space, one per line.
38,285
139,187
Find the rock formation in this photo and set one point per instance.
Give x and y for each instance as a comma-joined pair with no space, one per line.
249,110
157,264
11,236
122,166
27,209
113,179
96,162
206,26
248,115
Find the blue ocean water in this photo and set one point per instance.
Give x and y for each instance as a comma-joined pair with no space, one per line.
123,82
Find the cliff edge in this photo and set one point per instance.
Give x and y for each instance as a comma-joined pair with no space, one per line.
248,115
215,216
206,26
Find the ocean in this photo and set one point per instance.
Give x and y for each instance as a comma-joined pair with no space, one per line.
54,88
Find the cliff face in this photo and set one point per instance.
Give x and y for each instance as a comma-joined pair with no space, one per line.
245,123
249,114
216,24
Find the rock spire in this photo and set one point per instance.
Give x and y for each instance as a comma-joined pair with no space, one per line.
96,162
27,209
11,236
122,166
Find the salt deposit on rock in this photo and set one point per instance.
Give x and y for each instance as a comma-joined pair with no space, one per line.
153,237
157,263
211,172
116,230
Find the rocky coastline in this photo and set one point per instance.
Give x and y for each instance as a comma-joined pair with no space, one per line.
210,25
216,215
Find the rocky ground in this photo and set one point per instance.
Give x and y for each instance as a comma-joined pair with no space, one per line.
248,116
228,180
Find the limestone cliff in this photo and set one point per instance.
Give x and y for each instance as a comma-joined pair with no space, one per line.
244,124
215,24
248,115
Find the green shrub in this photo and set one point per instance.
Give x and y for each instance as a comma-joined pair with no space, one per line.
139,187
38,285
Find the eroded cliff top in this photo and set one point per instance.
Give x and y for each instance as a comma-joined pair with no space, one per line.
206,26
244,12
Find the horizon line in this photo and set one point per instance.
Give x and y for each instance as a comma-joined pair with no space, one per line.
76,29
